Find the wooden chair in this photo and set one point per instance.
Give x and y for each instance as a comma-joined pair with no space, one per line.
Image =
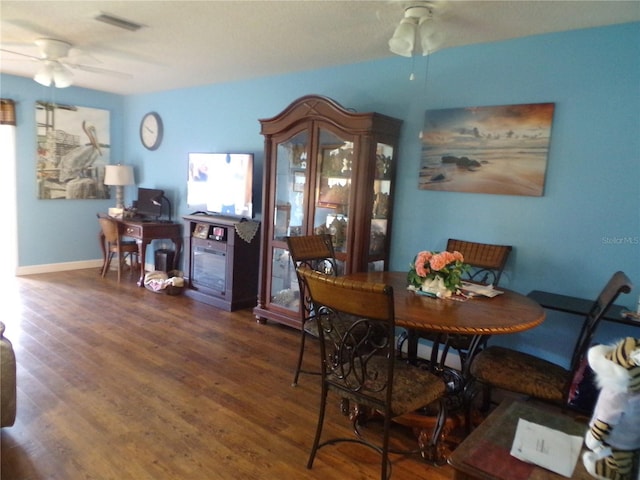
358,359
112,244
522,373
315,252
487,262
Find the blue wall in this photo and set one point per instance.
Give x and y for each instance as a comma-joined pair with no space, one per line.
55,231
585,227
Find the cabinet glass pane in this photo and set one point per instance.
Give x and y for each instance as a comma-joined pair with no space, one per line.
291,180
284,283
381,193
335,161
377,266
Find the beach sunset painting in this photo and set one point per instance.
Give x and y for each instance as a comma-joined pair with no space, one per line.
499,149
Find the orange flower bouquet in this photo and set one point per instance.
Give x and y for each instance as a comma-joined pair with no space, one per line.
437,273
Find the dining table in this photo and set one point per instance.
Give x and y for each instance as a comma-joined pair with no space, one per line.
479,317
506,313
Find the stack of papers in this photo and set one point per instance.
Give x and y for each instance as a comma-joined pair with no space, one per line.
549,448
474,289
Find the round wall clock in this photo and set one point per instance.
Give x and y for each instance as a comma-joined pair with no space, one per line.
151,130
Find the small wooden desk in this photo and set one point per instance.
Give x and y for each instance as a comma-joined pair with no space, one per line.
484,454
144,232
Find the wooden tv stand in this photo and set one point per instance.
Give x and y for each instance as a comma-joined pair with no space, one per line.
222,266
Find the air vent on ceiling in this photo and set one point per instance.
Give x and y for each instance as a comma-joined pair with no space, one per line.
118,22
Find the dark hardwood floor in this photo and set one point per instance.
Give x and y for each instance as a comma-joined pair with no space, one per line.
117,382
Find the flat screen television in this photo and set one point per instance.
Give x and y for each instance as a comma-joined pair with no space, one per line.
221,183
145,207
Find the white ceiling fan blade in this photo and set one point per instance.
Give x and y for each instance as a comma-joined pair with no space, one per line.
98,70
79,56
25,55
30,27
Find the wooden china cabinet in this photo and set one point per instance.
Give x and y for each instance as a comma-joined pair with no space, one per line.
326,169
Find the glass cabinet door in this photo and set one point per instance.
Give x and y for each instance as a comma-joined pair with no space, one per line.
381,204
333,188
284,281
291,179
288,217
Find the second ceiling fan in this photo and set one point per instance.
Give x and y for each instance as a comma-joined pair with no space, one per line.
57,63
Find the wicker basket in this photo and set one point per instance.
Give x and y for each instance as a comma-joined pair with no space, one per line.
159,275
172,289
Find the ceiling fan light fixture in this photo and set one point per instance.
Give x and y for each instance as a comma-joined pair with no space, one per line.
53,72
44,76
416,22
430,40
53,49
404,37
62,77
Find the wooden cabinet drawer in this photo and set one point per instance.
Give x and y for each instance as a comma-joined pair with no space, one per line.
134,231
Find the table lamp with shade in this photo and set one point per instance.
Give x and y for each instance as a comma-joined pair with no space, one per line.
119,176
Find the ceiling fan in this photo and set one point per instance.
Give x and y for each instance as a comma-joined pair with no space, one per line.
418,24
58,59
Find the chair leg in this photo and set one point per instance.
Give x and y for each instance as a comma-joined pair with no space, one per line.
119,266
486,397
300,355
130,257
107,264
316,440
430,448
384,467
471,390
400,342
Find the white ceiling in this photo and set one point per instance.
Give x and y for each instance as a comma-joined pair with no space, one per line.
189,43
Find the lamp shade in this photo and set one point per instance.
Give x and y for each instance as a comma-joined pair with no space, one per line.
430,39
118,175
62,77
53,72
404,37
44,75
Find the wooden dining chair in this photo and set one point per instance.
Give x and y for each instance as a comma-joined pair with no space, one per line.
526,374
486,262
315,252
358,360
113,244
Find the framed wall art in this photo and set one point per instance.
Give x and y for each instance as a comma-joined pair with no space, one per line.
498,150
72,148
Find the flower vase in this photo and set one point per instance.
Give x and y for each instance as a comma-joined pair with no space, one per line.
435,285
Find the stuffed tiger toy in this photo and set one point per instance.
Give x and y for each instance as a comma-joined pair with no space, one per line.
613,438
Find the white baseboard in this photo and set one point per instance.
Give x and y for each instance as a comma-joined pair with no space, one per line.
63,267
58,267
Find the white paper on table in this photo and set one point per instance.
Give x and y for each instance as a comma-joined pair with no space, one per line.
546,447
482,290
